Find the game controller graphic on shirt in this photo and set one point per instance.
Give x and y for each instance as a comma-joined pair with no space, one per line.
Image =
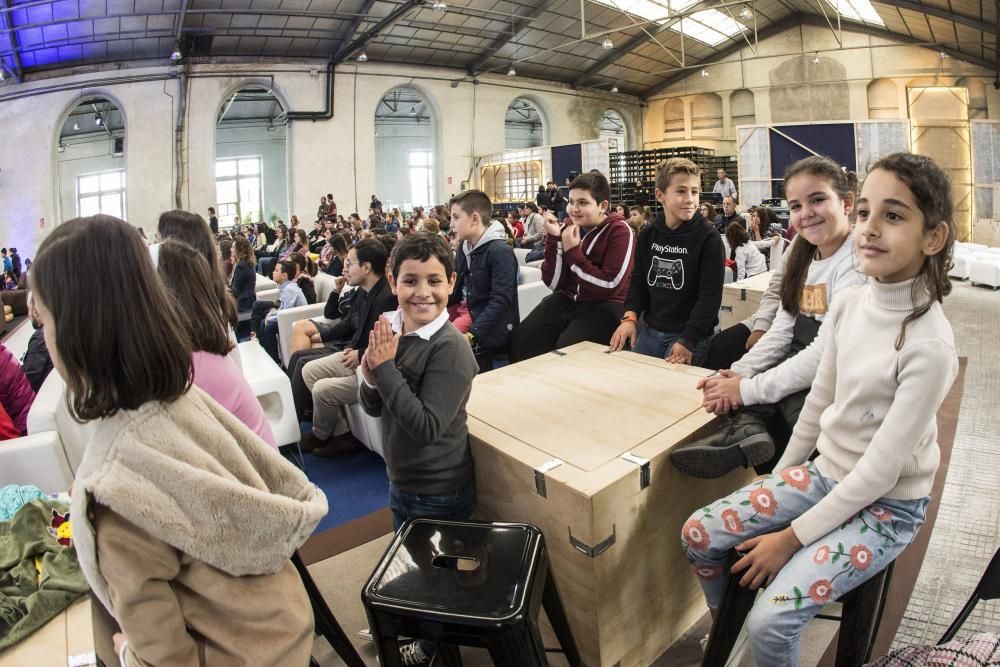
666,273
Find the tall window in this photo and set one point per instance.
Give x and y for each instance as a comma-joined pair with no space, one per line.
101,193
421,178
238,190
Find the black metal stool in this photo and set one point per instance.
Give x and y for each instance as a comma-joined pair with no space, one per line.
466,583
859,620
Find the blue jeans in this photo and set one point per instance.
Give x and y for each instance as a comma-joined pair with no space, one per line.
655,343
455,506
818,573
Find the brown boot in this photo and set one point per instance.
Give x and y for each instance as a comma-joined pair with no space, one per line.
310,442
337,445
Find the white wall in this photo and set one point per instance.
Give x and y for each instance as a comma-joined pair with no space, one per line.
269,145
336,155
85,155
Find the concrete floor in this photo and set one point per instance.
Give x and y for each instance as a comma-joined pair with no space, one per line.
967,533
965,537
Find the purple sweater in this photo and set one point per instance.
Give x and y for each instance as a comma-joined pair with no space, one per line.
16,394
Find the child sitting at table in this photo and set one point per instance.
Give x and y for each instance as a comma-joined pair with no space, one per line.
588,264
816,529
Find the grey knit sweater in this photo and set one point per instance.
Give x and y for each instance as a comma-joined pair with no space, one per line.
421,397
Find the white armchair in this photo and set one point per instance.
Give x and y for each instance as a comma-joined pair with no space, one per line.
264,284
274,391
36,459
528,274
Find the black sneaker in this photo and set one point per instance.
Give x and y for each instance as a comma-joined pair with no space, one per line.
743,442
412,653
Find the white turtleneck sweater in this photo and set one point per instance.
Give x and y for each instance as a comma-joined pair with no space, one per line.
872,409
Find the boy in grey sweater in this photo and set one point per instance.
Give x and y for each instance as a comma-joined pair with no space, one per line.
418,372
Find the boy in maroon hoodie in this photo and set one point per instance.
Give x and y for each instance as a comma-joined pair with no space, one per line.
588,265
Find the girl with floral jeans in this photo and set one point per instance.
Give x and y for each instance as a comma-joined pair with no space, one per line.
814,530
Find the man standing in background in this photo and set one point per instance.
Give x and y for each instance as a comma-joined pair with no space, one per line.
724,186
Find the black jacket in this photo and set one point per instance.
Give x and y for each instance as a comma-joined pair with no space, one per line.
244,286
487,280
558,200
543,198
363,311
36,364
722,221
677,281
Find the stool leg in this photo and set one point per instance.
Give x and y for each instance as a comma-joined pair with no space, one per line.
326,622
450,655
560,623
729,619
860,619
518,649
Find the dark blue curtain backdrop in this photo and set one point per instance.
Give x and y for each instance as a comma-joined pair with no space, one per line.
834,140
564,160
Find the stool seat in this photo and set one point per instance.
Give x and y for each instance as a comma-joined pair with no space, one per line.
467,583
476,569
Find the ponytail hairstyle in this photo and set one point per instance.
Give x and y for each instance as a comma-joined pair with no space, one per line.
801,254
931,187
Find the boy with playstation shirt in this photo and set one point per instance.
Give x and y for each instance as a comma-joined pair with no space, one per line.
677,283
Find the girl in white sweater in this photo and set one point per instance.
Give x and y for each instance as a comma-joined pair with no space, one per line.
772,379
817,529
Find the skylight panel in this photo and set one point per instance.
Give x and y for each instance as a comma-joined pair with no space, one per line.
649,10
709,26
860,10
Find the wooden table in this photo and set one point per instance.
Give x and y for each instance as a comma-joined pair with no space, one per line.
741,299
69,634
576,442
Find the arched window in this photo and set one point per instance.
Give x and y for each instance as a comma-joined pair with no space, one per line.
883,99
741,105
706,116
91,160
673,118
523,127
405,164
614,130
250,181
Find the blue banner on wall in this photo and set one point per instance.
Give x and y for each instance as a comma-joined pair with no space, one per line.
833,140
566,159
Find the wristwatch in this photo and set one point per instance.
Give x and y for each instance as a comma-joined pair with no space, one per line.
629,317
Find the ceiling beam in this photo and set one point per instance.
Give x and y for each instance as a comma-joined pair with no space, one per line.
645,36
390,19
355,23
794,20
937,12
8,24
518,23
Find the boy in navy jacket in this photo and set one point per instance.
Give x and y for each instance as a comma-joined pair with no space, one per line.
483,305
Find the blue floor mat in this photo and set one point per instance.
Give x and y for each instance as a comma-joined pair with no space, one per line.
354,484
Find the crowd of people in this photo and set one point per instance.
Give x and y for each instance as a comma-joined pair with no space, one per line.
427,300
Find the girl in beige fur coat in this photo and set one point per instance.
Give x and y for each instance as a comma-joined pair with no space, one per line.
184,520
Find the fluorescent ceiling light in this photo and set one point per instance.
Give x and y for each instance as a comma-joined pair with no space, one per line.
860,10
709,26
649,10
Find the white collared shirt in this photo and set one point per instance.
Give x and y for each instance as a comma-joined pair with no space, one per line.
425,332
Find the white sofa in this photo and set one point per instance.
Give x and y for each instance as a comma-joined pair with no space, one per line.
264,284
325,285
984,269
